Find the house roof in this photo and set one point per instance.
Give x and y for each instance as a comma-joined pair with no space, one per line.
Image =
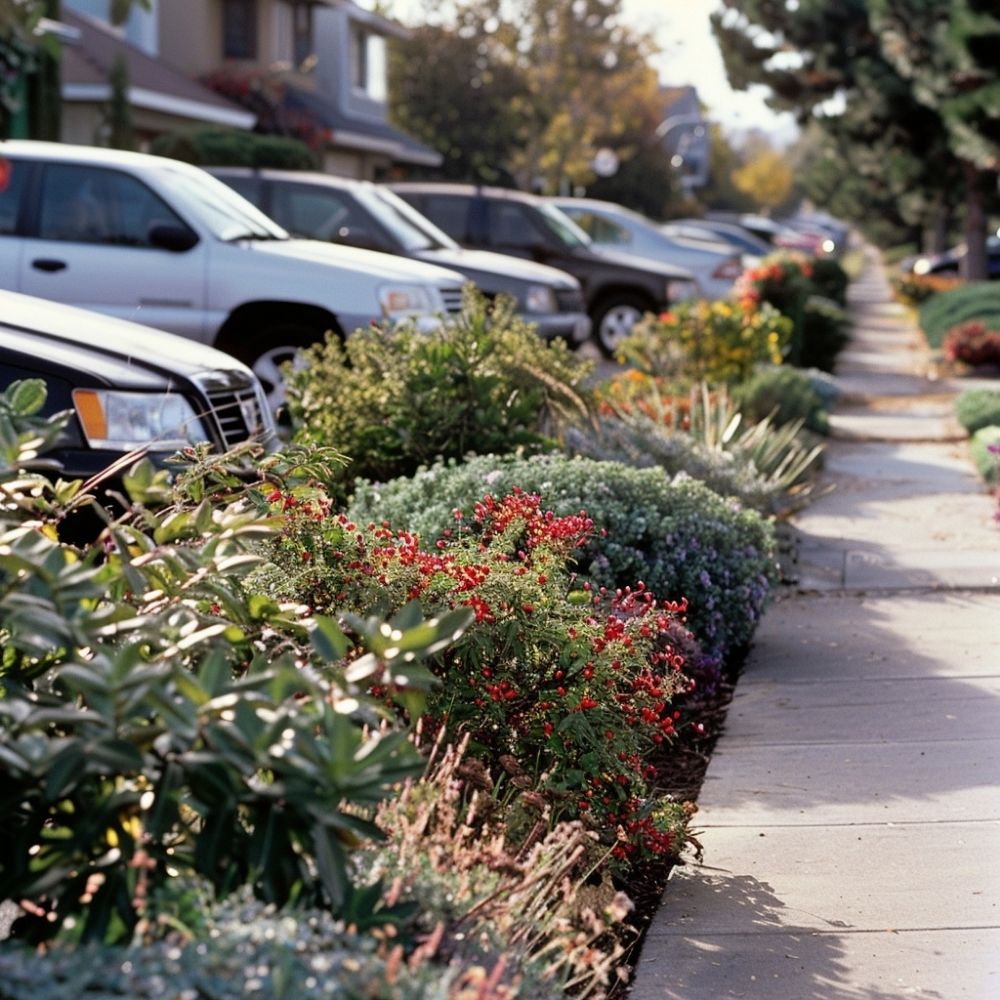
359,133
87,65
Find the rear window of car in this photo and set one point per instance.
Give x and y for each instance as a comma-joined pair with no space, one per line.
447,212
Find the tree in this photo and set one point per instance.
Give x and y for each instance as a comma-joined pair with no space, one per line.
948,50
880,123
528,91
766,177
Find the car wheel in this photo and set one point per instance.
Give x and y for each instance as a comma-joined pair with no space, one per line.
268,352
614,319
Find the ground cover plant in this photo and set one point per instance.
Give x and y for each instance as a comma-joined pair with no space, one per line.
977,301
977,408
678,536
395,399
984,447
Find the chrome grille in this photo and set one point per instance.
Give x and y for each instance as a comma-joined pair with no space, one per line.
452,299
570,300
236,408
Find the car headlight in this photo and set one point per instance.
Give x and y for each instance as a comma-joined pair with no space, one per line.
681,289
398,301
540,299
122,421
922,266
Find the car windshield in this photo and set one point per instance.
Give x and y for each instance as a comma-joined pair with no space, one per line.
565,229
226,214
407,225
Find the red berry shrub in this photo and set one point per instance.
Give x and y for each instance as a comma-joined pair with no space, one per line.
568,687
972,344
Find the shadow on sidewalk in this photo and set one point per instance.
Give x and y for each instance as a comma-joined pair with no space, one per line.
762,952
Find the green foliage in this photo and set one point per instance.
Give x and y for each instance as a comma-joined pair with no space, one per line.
978,408
159,717
716,342
680,538
785,395
976,300
830,279
570,688
825,333
985,450
396,399
223,147
915,289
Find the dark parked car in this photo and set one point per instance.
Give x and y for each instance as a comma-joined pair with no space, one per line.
618,288
361,214
130,390
950,261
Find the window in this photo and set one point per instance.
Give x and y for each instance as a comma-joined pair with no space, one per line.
307,210
447,213
510,226
239,29
599,229
368,63
91,205
12,180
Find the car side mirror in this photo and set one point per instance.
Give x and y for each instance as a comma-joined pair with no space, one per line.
167,236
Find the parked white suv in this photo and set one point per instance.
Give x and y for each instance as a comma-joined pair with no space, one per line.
163,243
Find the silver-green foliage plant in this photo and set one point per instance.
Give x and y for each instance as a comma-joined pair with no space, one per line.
978,408
159,719
676,535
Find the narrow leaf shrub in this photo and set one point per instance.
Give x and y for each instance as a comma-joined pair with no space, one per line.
978,408
973,301
392,400
679,537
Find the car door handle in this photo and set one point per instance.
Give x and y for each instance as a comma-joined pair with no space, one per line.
48,264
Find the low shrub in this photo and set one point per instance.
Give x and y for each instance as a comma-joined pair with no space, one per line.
707,438
915,289
785,395
392,400
679,537
985,449
569,685
978,408
223,147
717,342
972,344
973,301
830,279
824,334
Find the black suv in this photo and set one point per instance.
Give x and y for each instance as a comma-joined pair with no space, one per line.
361,214
618,289
130,390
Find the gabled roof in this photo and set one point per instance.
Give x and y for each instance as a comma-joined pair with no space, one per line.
359,133
153,85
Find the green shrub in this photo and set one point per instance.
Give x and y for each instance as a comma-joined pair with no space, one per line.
830,279
985,449
222,147
977,300
786,395
393,400
978,408
153,719
825,333
570,686
679,537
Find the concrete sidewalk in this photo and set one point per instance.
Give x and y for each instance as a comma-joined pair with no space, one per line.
851,811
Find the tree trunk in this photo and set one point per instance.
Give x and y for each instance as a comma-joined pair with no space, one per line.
974,262
936,238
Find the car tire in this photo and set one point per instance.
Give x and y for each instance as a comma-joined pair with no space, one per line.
613,320
267,351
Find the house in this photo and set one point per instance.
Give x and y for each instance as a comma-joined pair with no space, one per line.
313,69
684,135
